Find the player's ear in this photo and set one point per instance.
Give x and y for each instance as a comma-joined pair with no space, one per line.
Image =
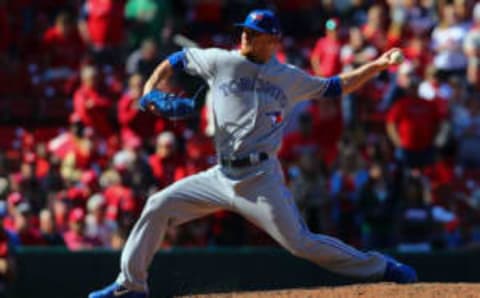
277,38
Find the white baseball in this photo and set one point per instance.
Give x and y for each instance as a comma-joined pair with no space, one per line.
397,57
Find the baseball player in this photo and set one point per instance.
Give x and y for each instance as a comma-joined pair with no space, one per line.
252,96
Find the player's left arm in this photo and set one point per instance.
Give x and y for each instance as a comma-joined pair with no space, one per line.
162,73
165,104
353,80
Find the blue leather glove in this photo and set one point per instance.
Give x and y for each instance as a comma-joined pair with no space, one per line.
168,105
148,98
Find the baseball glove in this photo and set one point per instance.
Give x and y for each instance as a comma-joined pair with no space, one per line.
168,105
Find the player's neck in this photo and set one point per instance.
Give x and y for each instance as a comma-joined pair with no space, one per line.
256,58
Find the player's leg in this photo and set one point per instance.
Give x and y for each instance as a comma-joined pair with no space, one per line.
270,206
190,198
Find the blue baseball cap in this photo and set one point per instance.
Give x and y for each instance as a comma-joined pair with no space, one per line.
262,20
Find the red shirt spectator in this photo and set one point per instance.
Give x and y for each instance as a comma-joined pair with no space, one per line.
8,241
418,53
13,200
77,195
325,57
441,176
60,209
117,196
434,90
76,241
416,122
73,145
199,151
3,244
374,30
104,22
81,151
62,43
296,143
327,127
91,104
131,119
299,142
4,247
164,161
163,169
42,166
28,231
61,145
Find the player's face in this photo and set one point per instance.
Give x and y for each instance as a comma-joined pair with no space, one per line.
258,44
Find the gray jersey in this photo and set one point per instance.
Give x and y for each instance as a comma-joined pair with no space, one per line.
251,102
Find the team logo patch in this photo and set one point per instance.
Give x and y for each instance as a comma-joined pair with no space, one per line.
256,16
275,116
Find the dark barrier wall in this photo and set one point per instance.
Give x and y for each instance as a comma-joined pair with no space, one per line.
55,273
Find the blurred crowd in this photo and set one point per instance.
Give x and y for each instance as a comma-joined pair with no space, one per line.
392,166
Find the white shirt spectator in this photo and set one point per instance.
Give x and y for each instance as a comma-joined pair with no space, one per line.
471,44
448,45
95,228
472,40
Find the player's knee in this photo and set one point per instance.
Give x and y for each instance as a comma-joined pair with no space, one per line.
157,203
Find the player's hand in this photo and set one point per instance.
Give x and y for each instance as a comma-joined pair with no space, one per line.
391,57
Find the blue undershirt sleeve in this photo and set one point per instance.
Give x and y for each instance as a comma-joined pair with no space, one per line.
177,60
334,87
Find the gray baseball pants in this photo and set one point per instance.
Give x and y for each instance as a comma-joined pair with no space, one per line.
259,194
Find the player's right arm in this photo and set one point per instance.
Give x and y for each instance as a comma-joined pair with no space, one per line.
356,78
305,86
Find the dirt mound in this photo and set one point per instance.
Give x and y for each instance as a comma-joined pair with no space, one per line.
378,290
